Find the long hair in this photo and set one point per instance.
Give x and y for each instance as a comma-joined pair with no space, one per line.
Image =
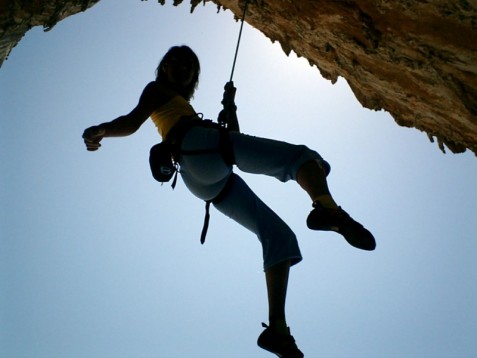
187,92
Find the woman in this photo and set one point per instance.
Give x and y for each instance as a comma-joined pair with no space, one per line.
206,167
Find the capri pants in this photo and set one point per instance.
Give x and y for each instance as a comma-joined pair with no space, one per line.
205,175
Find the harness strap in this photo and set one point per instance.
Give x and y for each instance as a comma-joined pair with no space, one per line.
221,196
175,137
205,227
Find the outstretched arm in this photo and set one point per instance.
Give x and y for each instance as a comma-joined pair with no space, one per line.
151,98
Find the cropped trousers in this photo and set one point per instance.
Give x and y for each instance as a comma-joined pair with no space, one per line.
207,174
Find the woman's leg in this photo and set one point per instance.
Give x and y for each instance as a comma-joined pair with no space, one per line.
256,155
279,243
270,157
276,338
286,161
280,251
311,176
277,284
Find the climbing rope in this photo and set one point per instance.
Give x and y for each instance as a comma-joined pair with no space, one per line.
239,38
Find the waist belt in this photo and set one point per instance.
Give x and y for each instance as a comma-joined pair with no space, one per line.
178,132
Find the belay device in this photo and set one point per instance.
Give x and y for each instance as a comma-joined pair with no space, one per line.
161,158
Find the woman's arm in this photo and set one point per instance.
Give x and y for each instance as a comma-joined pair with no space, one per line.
228,115
151,98
233,124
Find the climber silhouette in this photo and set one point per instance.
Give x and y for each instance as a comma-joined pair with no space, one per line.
207,153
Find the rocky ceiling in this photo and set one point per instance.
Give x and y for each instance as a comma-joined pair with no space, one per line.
416,59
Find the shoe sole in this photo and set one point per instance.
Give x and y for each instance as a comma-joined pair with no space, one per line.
368,244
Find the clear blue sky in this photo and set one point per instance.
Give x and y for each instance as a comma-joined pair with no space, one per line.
99,260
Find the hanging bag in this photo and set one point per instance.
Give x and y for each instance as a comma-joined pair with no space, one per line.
161,163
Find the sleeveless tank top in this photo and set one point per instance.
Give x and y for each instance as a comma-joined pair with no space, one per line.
168,115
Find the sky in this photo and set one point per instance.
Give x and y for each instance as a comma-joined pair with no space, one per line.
99,260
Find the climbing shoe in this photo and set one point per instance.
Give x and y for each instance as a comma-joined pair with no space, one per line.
338,220
283,345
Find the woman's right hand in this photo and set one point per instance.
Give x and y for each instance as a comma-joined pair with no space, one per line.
152,97
92,137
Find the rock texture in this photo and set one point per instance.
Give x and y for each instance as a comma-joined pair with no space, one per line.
416,59
19,16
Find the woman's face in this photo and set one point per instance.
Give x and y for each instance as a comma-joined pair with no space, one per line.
179,69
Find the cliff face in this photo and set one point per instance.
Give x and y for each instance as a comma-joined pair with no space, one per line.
19,16
416,59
